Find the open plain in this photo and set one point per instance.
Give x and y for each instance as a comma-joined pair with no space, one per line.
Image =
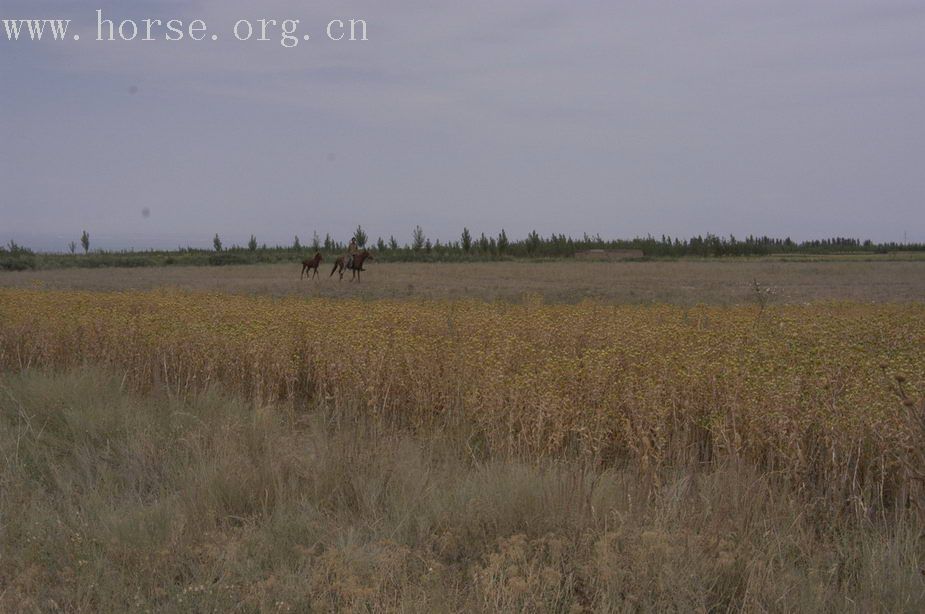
683,282
513,437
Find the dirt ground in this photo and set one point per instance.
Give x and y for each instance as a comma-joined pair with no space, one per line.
680,282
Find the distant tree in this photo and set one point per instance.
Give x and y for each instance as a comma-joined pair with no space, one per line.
360,236
484,244
533,242
252,244
393,244
380,244
466,240
217,243
428,246
502,242
72,247
316,242
296,245
328,243
85,241
417,239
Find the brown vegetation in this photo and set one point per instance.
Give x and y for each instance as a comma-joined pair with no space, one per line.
118,502
609,254
685,282
190,451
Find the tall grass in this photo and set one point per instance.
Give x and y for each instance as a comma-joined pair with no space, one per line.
118,501
804,391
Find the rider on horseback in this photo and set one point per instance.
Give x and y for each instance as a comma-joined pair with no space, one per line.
352,250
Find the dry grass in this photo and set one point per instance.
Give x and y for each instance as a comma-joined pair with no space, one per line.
685,282
180,451
112,501
805,390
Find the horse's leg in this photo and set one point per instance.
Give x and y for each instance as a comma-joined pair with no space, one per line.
303,271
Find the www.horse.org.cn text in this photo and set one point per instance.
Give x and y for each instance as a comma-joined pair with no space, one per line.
288,33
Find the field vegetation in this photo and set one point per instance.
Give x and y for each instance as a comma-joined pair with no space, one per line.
174,450
114,502
809,390
685,282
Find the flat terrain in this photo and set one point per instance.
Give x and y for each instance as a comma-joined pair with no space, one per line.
169,451
685,282
117,502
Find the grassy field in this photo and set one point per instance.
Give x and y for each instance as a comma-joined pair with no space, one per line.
233,439
686,282
117,502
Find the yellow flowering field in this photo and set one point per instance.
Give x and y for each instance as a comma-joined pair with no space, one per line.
810,390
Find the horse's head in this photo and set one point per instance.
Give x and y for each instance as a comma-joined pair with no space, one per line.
319,257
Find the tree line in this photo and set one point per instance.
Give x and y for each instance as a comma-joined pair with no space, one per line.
419,246
562,246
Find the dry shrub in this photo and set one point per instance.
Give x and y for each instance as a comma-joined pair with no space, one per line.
117,501
527,575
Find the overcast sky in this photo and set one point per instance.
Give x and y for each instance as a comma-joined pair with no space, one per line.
792,118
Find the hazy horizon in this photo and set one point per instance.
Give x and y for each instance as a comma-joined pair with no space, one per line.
620,119
120,242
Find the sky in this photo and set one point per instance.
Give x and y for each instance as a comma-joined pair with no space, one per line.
784,118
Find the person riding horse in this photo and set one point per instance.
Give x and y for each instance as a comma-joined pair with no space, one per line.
352,250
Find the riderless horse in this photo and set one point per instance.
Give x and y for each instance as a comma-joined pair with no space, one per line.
311,265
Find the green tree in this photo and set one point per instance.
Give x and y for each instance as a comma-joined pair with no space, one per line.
360,236
533,242
85,241
296,245
466,240
252,244
502,242
217,243
380,245
72,247
393,244
316,242
417,239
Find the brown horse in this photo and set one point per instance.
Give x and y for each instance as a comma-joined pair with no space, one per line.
311,265
356,266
